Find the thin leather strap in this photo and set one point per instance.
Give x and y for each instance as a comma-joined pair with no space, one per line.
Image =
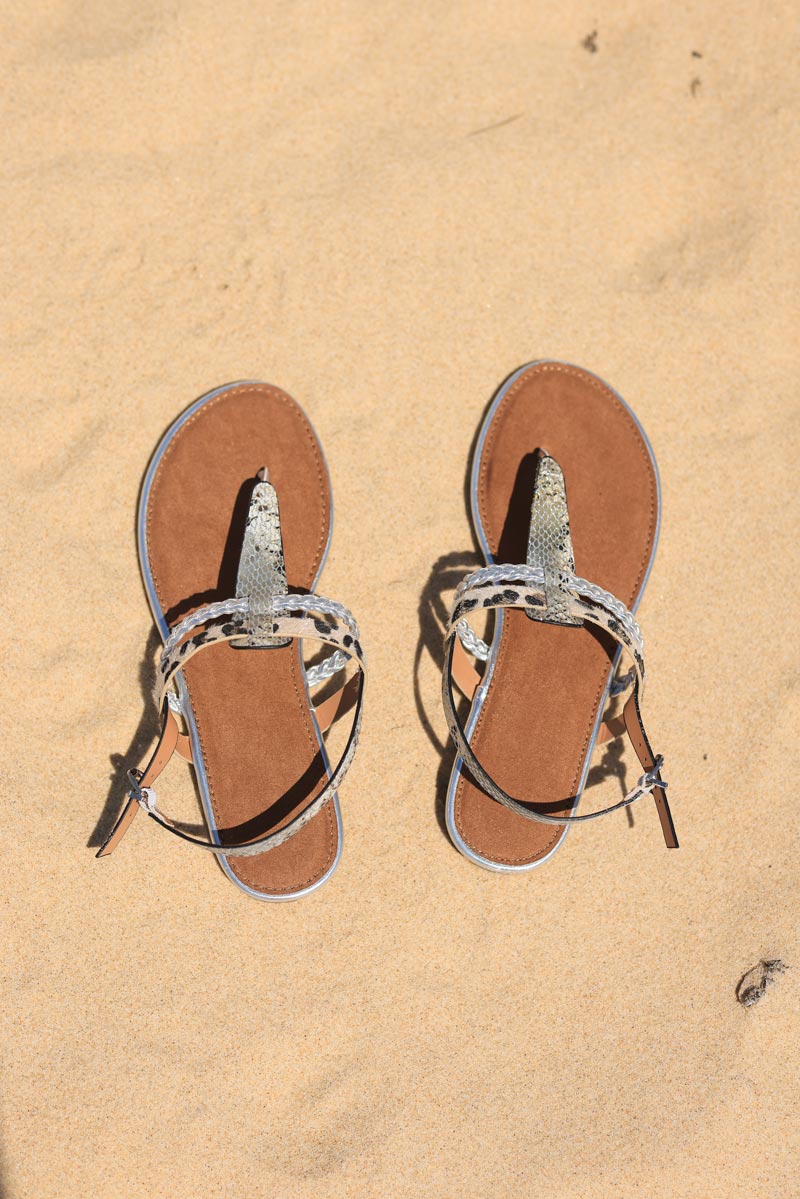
183,749
634,724
336,705
165,747
465,676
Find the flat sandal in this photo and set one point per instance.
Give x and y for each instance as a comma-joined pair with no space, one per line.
563,479
233,531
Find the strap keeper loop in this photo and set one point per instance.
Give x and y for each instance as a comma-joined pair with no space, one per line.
134,777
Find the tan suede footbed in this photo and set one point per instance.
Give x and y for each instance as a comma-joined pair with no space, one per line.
535,726
258,739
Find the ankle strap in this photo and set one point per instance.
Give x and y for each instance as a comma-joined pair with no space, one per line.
510,586
290,617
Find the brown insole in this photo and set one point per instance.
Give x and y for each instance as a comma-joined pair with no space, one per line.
536,722
259,742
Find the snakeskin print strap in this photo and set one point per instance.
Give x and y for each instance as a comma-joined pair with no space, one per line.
262,574
550,542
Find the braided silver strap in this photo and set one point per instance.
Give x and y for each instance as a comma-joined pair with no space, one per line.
472,643
326,669
228,607
509,573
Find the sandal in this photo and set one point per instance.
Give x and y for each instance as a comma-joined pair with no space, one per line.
554,433
211,549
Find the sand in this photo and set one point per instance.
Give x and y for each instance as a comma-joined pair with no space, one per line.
385,209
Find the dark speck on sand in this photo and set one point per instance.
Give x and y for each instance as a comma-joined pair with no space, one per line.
752,985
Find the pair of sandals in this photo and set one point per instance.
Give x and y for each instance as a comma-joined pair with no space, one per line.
234,528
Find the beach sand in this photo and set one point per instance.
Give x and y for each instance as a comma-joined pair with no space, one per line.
385,209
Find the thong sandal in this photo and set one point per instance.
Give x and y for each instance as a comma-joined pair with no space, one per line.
234,527
554,434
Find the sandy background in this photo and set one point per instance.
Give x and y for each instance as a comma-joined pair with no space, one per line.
384,209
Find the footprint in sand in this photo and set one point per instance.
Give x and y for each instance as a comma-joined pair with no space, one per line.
707,251
341,1124
95,29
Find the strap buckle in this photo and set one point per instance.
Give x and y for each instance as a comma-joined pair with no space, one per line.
650,779
144,796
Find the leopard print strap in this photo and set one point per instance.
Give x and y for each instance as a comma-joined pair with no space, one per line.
290,617
524,587
237,609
